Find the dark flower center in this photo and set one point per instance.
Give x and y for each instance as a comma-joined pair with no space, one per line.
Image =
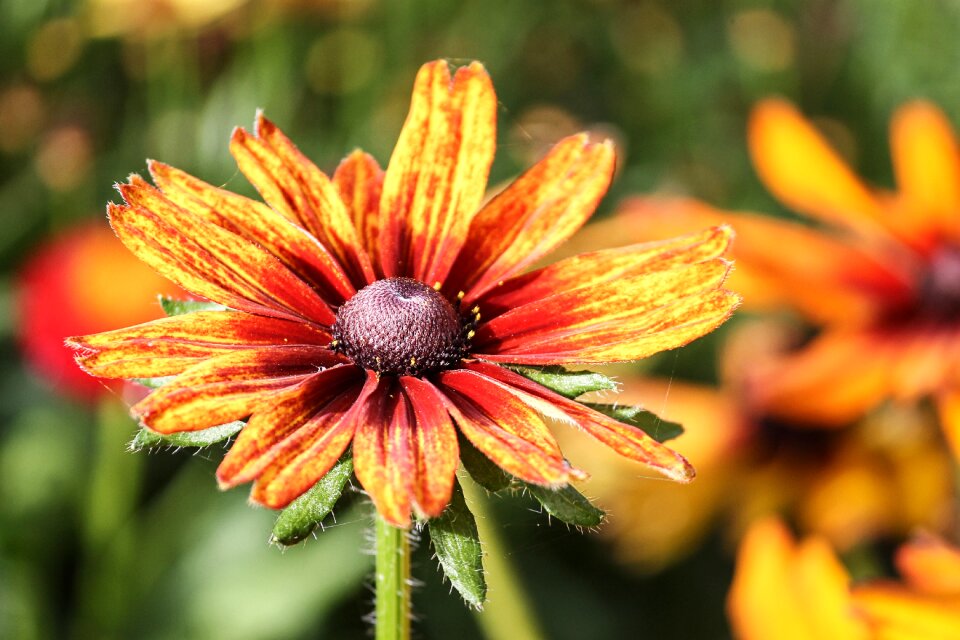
940,289
400,326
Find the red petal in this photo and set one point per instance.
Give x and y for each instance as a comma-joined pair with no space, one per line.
303,464
228,387
291,423
535,214
628,441
168,346
291,184
359,179
437,451
630,318
384,453
294,246
438,172
506,429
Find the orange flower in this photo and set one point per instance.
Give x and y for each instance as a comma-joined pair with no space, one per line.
373,308
787,590
81,281
880,276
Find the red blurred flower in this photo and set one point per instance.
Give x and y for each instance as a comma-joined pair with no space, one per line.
82,281
372,308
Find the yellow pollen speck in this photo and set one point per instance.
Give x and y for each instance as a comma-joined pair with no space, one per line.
460,295
470,334
500,283
437,285
332,344
476,309
413,362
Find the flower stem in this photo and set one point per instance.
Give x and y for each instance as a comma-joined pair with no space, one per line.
393,582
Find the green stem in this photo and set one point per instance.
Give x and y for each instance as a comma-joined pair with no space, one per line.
393,582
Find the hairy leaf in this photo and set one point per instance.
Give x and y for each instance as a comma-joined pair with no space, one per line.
146,439
567,504
482,469
655,427
570,384
174,307
305,514
457,544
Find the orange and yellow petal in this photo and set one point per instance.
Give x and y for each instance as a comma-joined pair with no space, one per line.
896,613
292,422
788,591
627,319
629,442
532,216
359,180
291,184
927,164
258,223
846,283
438,172
606,266
213,263
228,387
930,565
799,167
948,408
168,346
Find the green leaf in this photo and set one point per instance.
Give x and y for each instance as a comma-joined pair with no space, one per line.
567,504
482,469
174,307
146,439
305,514
571,384
457,544
655,427
153,383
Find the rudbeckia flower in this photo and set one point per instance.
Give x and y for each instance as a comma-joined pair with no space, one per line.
800,590
878,272
378,309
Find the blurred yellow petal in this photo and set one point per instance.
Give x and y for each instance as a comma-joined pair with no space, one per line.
930,565
898,613
927,164
782,591
801,169
948,406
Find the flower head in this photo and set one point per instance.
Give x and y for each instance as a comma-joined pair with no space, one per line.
376,309
879,273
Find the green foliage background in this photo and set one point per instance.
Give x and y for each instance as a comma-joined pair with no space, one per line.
96,542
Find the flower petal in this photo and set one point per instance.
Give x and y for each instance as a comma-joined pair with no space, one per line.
228,387
609,265
536,213
627,441
630,318
948,406
503,427
846,283
799,167
438,171
294,420
927,164
384,452
437,452
210,261
359,179
900,613
299,467
168,346
291,184
257,222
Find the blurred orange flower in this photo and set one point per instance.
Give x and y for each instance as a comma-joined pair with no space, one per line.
883,477
800,591
81,281
880,274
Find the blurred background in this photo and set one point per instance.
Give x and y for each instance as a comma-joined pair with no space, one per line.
98,542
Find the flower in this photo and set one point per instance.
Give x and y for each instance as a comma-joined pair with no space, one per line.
880,479
80,281
378,308
783,589
879,274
